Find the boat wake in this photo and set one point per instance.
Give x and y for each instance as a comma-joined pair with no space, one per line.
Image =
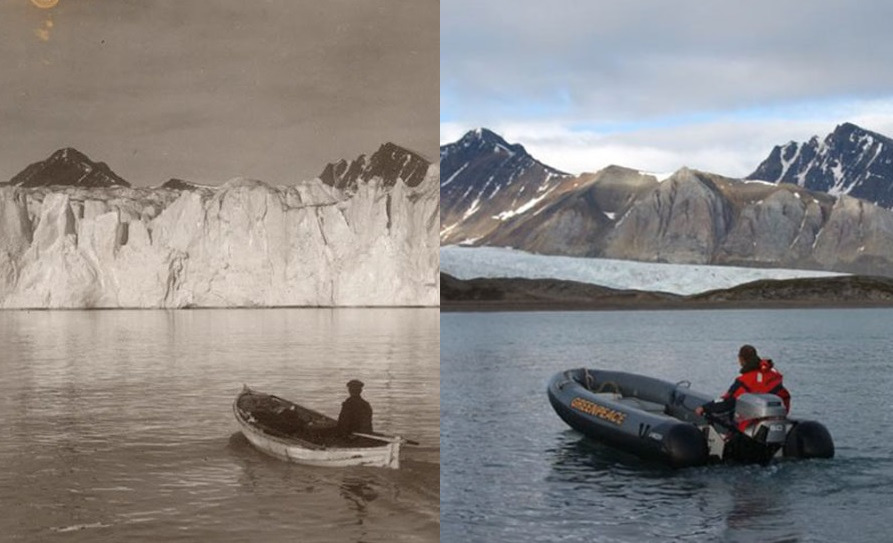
78,527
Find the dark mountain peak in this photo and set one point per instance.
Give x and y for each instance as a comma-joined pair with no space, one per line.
850,160
485,140
392,162
843,134
389,163
343,174
485,181
395,153
68,167
483,146
485,156
392,149
175,183
850,133
483,134
69,154
848,128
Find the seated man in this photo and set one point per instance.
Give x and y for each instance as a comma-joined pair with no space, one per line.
758,376
356,413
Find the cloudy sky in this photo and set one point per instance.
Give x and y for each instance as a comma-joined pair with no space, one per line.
207,90
656,85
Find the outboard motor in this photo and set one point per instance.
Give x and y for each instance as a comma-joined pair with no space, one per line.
765,417
766,429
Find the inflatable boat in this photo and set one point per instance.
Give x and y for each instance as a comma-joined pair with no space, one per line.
656,419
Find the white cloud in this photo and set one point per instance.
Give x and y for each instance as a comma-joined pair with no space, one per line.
727,146
657,85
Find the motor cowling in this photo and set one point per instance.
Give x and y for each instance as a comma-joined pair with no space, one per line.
769,432
762,417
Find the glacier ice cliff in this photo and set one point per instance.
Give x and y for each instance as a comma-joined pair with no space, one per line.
242,244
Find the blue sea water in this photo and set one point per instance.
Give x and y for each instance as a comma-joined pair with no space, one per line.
513,471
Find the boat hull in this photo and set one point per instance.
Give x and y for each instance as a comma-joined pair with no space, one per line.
655,419
301,451
643,430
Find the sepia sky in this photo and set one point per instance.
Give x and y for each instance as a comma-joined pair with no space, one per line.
656,85
208,90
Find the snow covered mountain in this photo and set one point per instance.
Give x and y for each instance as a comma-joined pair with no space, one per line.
242,244
390,163
486,181
850,160
68,167
690,217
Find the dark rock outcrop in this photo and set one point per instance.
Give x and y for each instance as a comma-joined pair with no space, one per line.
485,182
577,221
683,220
68,167
850,160
179,184
390,163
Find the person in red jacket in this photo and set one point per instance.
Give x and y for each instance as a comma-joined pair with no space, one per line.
758,376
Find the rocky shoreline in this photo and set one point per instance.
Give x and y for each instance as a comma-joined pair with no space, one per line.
517,294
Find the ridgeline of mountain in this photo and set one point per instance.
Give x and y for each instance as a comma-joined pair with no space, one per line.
507,294
68,167
74,236
850,160
486,181
175,183
691,217
390,163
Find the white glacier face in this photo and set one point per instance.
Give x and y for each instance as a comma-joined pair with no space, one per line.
244,244
684,279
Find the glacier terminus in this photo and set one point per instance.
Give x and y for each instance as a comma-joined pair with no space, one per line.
72,235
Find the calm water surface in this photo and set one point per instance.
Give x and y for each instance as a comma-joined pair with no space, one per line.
117,425
513,471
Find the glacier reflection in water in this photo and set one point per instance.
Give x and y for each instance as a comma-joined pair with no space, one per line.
117,425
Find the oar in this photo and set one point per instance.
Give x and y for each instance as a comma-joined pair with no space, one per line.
389,439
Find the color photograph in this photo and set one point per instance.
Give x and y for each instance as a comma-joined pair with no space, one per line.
666,271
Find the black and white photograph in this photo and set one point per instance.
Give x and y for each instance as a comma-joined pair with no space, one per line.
219,271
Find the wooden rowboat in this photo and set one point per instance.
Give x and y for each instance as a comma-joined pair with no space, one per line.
293,433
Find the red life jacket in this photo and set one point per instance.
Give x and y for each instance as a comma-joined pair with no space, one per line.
763,380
